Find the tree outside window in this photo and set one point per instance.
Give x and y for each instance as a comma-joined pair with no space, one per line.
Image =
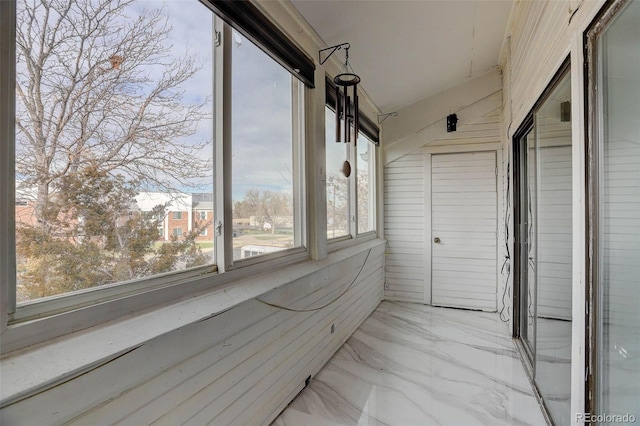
106,110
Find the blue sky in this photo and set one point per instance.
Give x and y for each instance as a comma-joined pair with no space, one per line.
262,104
261,94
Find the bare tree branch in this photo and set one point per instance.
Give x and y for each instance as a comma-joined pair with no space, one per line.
77,105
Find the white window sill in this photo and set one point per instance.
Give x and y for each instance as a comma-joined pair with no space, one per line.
32,370
341,243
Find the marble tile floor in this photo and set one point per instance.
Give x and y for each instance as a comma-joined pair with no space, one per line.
411,364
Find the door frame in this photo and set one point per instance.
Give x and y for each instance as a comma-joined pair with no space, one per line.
529,122
527,126
428,234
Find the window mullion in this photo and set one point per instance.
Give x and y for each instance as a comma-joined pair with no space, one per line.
353,189
298,124
373,179
316,178
227,65
223,222
7,156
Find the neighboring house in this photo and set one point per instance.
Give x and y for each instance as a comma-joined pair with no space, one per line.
25,214
178,208
183,212
203,219
25,208
255,250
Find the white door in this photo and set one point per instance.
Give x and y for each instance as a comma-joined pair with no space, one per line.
464,230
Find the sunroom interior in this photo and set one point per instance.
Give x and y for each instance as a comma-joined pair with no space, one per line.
202,225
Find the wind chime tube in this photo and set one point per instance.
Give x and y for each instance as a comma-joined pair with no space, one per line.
356,116
347,116
338,114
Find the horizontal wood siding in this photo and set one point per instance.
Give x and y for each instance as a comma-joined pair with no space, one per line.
539,42
482,131
240,367
404,228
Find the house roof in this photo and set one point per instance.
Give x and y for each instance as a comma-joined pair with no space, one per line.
205,205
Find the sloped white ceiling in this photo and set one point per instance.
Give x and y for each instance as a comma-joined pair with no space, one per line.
408,50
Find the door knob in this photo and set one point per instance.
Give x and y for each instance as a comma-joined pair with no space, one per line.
436,240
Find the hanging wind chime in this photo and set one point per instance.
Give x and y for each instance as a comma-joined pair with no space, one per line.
346,107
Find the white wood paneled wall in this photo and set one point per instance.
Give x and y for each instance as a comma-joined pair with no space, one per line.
404,207
538,44
240,367
404,201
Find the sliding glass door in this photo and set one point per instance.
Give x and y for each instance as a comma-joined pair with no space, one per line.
543,252
614,211
554,251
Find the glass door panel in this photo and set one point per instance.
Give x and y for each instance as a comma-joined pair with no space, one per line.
554,251
544,242
618,143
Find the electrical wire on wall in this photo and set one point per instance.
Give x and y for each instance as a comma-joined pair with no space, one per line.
273,305
505,312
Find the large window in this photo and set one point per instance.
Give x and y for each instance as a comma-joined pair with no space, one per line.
265,146
350,183
113,132
122,128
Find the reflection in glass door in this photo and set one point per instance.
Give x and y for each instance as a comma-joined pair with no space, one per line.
554,251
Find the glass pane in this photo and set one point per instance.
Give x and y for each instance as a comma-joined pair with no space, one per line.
554,251
619,227
113,136
337,184
365,185
262,132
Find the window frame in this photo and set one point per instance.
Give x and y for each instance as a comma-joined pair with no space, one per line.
299,92
372,187
348,157
42,319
